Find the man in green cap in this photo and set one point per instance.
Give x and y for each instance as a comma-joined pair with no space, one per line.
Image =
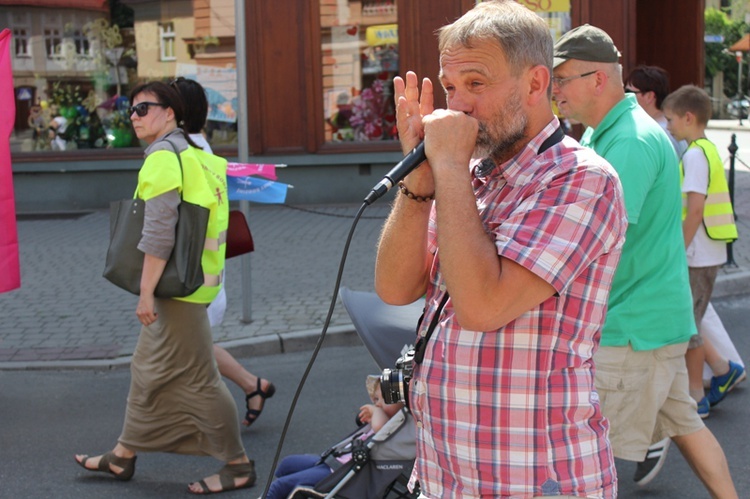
641,375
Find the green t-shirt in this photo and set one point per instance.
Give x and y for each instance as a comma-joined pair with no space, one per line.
650,304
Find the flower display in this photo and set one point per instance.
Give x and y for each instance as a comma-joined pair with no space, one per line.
372,114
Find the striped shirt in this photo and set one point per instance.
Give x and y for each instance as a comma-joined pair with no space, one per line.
513,412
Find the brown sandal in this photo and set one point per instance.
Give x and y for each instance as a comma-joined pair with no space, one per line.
126,463
227,474
252,414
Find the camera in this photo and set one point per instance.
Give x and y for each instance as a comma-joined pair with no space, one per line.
394,383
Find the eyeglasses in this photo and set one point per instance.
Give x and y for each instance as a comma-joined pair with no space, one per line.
561,82
141,109
632,91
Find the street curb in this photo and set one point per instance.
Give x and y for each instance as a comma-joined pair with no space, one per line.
271,344
730,282
729,126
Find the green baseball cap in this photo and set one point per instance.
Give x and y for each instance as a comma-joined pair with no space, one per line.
586,43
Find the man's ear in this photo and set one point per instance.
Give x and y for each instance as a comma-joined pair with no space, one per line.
539,80
601,80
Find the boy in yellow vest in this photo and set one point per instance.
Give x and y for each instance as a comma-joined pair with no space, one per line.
707,226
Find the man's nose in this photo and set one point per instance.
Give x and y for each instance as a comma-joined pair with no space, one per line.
459,103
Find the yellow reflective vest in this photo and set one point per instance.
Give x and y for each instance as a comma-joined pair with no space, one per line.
203,182
718,215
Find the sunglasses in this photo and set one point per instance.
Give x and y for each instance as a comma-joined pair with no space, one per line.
142,108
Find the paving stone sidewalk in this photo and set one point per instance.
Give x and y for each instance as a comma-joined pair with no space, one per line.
66,311
67,315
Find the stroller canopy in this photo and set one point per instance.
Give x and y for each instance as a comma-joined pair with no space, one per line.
386,330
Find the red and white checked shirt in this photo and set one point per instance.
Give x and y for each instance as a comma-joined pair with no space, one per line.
513,412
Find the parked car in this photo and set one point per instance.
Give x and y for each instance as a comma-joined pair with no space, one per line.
738,108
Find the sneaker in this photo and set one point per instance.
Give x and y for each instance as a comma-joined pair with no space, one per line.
704,408
651,466
721,385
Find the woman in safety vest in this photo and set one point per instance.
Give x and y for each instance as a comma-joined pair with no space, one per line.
177,401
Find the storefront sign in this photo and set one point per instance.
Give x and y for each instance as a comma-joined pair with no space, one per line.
547,5
384,34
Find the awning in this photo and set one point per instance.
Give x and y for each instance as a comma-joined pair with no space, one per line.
741,45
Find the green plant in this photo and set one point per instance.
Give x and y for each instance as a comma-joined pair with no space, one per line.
65,95
718,57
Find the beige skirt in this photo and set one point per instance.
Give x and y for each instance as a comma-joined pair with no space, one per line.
177,401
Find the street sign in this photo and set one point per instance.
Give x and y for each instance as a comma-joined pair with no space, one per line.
713,38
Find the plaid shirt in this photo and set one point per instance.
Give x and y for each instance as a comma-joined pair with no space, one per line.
513,412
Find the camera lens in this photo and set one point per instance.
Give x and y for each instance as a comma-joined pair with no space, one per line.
390,385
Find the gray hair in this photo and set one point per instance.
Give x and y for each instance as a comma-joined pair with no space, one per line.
523,36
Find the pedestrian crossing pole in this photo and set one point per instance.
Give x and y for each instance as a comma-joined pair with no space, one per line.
730,181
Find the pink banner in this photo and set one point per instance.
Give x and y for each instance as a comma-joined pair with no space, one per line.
10,270
245,169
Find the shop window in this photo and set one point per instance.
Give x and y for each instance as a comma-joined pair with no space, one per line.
74,68
555,12
360,58
166,41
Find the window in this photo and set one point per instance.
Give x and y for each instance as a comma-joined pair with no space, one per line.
21,37
81,44
166,41
53,43
555,12
360,59
77,66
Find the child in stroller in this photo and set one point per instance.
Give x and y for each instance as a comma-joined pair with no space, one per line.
306,471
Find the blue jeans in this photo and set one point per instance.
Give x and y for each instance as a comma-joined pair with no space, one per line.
294,470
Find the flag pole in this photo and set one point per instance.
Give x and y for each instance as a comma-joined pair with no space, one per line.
243,150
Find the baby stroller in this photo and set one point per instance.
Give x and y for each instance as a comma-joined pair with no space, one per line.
381,463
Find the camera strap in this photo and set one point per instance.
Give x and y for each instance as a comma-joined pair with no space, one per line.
421,346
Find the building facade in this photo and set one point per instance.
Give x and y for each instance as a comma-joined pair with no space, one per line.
318,85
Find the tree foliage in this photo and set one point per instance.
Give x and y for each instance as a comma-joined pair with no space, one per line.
718,57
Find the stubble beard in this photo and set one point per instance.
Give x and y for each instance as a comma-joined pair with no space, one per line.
500,138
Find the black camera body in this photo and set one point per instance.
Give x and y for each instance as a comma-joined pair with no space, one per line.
394,383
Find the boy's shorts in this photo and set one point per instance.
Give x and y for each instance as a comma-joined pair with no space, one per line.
644,394
702,281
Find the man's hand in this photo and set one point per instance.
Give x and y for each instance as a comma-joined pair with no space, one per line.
411,107
450,140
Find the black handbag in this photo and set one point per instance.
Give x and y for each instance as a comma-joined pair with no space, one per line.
183,274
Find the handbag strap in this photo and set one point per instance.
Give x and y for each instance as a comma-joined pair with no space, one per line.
179,160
